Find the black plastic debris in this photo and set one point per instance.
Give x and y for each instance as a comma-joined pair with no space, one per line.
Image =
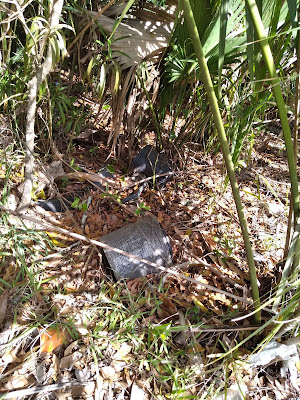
106,174
147,163
145,239
136,194
152,164
55,205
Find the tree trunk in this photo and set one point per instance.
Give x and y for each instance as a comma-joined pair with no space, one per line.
40,74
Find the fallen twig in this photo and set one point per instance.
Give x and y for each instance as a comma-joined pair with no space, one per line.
41,389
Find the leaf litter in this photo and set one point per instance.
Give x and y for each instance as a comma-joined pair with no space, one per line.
159,335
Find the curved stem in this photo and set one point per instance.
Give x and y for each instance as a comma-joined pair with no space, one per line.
268,58
205,77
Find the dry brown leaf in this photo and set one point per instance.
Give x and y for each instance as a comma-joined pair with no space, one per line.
51,339
166,309
222,298
70,348
17,382
9,357
134,285
109,373
67,362
127,376
198,302
160,217
65,395
3,306
196,348
178,231
86,230
113,221
209,242
105,230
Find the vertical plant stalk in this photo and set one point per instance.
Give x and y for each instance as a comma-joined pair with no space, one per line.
295,139
267,55
291,249
205,76
296,262
293,256
40,73
222,41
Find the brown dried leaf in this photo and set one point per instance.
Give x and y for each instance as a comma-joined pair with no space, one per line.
51,339
17,382
166,309
69,350
109,373
209,242
105,230
3,306
67,362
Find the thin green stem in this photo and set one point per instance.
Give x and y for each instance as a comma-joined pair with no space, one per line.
205,77
268,58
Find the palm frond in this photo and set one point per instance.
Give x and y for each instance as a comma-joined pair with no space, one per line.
144,36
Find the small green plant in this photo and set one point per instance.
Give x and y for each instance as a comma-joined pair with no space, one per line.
93,151
80,205
67,115
74,166
142,208
110,169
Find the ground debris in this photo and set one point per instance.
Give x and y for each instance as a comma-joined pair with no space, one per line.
160,335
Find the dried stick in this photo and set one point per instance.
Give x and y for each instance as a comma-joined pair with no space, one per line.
41,389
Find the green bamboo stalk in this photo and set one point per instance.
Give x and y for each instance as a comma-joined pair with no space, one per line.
267,55
222,41
205,77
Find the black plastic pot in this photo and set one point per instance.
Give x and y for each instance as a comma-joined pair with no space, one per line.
150,163
145,239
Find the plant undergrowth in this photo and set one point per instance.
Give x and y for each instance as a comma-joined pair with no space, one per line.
163,333
150,331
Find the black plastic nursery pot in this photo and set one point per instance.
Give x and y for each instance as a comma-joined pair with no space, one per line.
145,239
151,164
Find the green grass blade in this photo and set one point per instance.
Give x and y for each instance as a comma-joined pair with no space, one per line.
250,46
126,9
292,4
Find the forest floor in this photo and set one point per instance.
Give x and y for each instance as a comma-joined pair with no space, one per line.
69,330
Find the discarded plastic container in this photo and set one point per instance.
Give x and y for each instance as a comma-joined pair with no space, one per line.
145,239
150,163
106,174
56,205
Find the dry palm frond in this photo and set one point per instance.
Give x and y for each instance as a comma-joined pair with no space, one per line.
126,66
146,34
132,45
136,45
128,113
